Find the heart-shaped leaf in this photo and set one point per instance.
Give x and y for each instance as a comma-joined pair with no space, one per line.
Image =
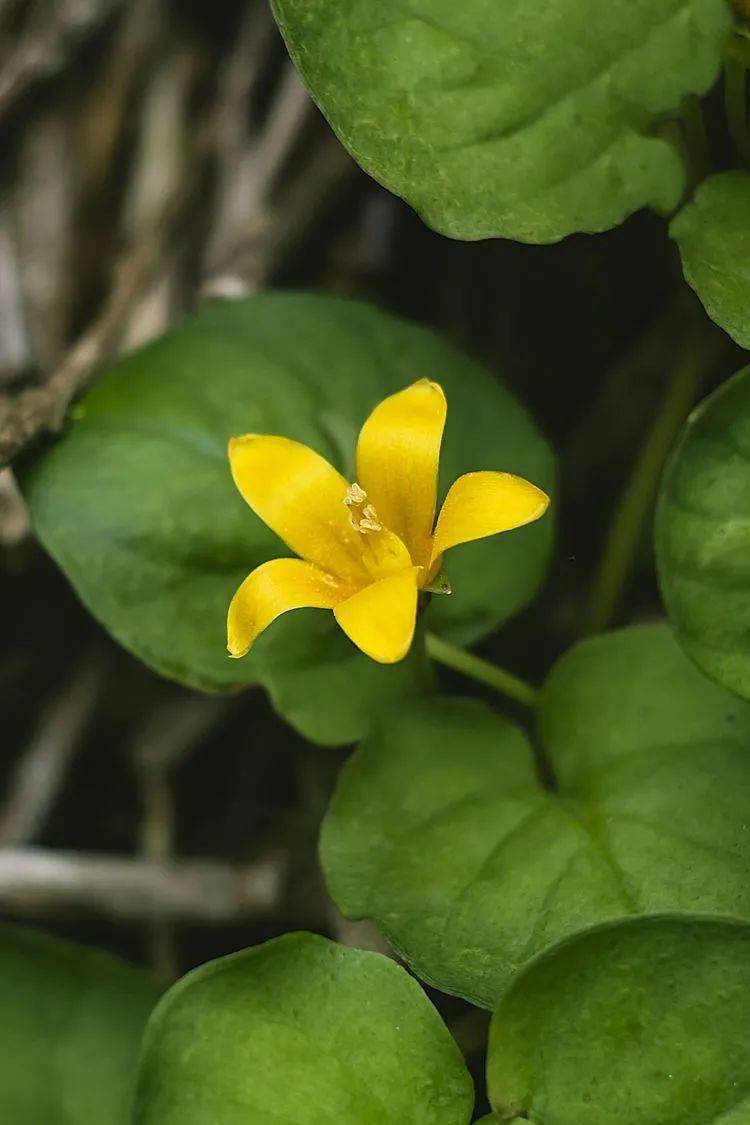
713,234
137,505
440,831
524,120
300,1030
645,1022
703,535
72,1021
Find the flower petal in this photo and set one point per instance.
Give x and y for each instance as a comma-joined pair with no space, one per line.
480,504
272,589
397,462
380,619
301,497
383,553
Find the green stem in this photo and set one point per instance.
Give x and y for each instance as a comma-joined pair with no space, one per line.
735,105
637,500
696,137
424,671
738,46
483,671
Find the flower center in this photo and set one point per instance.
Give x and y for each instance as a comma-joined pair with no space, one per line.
362,515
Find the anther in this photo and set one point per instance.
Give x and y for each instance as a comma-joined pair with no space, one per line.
355,495
362,515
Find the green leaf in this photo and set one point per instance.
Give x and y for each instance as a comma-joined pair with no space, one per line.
72,1022
137,505
646,1022
300,1031
713,234
440,831
525,120
703,535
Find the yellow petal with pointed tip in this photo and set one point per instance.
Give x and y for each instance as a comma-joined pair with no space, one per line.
397,462
485,503
380,619
301,497
272,589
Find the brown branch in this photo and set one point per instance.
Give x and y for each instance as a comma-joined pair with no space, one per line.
42,409
164,739
44,204
15,525
14,343
162,171
154,206
246,225
37,880
51,33
37,778
233,115
258,250
113,92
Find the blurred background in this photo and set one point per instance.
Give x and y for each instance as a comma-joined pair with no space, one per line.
155,155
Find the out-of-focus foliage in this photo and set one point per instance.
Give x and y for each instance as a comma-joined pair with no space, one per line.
72,1020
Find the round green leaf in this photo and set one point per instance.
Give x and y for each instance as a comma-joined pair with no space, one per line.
137,505
645,1022
440,831
524,120
713,234
300,1031
703,535
72,1021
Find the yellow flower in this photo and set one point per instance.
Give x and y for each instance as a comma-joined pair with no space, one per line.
366,548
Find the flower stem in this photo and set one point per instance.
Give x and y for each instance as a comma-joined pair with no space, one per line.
735,105
636,502
424,672
483,671
696,138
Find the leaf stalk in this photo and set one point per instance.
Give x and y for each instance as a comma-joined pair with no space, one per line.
482,671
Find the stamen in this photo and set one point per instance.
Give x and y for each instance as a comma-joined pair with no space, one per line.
355,495
362,515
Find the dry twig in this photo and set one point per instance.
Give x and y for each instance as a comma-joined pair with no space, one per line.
242,243
35,880
42,409
14,346
38,776
113,95
162,171
15,525
166,737
44,204
232,118
52,31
